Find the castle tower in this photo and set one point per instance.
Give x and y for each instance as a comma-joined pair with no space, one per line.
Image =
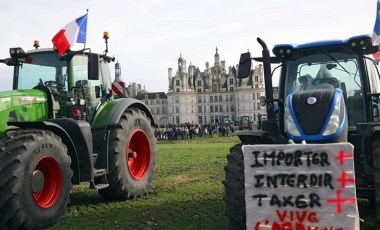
217,58
170,77
181,65
223,66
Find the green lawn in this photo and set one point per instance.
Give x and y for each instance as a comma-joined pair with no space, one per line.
187,193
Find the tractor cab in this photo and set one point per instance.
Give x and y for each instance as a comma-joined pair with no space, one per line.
325,88
75,85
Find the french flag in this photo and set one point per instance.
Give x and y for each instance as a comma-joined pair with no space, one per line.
376,33
72,33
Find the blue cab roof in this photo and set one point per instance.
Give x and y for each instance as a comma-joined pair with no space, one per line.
322,43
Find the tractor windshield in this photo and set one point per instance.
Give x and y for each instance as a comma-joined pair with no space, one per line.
338,69
42,68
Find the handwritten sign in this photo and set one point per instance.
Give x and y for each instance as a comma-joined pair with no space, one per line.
300,187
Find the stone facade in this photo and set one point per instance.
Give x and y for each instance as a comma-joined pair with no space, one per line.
205,97
157,104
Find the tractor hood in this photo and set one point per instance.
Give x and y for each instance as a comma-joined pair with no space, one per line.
22,105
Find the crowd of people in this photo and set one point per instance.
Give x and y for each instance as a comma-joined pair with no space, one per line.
190,131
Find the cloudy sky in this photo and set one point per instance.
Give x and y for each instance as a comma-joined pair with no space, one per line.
147,37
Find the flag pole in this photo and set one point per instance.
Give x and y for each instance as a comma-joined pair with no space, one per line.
84,44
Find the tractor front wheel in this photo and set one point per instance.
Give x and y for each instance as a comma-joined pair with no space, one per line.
234,190
36,179
132,157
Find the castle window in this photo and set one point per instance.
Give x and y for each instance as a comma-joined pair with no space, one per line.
200,119
231,81
199,83
177,82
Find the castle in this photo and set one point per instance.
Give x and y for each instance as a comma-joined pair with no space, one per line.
205,97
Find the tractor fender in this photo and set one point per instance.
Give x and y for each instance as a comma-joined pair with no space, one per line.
75,134
256,137
49,98
253,137
110,113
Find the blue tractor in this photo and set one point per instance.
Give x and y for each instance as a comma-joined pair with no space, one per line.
328,93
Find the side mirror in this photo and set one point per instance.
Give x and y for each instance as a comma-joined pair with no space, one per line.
263,101
245,64
93,66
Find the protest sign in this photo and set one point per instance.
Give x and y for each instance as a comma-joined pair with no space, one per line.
300,187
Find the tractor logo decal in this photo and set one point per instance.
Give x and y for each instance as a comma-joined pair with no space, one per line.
6,99
311,100
31,99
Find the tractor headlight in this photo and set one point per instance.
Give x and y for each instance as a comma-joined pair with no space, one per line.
290,126
333,124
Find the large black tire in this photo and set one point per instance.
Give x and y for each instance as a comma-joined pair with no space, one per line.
234,190
35,177
374,199
132,157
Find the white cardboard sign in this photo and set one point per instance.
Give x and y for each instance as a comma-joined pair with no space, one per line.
300,187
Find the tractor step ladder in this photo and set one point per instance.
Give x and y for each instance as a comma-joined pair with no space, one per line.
100,177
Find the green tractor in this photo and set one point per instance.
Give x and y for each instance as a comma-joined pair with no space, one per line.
61,125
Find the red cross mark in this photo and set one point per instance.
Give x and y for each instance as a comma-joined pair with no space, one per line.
339,201
258,224
343,179
341,156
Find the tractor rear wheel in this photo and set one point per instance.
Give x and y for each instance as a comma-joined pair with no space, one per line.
36,179
132,157
234,190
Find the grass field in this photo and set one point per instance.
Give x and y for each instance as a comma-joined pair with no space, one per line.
187,193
